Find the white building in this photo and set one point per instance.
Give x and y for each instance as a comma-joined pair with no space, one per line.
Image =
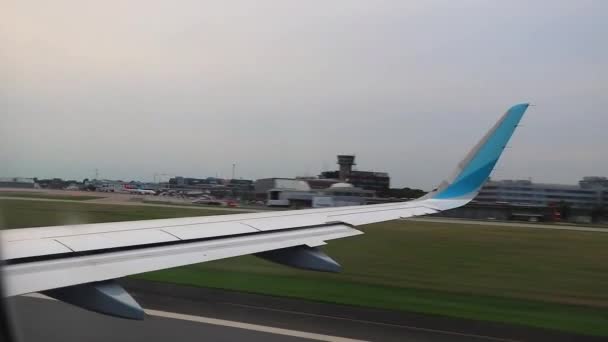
591,192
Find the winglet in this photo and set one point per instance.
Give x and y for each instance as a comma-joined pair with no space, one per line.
473,171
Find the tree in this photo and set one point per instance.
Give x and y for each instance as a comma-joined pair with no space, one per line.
564,210
406,193
598,213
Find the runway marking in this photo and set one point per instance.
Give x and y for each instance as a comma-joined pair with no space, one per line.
248,326
408,327
233,324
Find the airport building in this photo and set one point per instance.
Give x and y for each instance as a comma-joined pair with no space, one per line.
263,185
306,193
241,188
17,182
216,187
525,200
187,182
108,185
368,180
337,195
590,193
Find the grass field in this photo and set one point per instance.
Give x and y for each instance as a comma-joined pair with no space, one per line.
42,195
545,278
21,214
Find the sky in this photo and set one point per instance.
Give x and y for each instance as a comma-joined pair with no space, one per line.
279,88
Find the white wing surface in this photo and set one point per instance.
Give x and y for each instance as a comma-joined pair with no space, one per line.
78,262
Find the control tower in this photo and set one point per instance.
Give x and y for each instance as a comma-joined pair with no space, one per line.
346,163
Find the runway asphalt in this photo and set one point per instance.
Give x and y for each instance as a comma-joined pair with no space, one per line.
46,320
192,314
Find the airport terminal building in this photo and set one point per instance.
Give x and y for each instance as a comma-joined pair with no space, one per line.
591,192
298,193
17,182
525,200
368,180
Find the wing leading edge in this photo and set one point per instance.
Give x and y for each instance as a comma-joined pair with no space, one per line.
86,257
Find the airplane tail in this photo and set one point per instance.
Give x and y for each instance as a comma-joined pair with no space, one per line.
473,171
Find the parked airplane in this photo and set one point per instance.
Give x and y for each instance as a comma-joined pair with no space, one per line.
141,191
78,264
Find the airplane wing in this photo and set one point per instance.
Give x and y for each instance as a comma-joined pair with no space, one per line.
78,263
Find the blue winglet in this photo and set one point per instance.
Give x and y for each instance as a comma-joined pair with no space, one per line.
474,170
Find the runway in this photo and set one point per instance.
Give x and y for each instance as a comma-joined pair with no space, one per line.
46,320
191,314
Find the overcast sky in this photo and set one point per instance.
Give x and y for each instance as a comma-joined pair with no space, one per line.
134,88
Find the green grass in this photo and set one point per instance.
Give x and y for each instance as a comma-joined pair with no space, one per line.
21,214
571,318
536,277
42,195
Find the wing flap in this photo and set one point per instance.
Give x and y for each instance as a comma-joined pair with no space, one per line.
383,214
282,222
90,242
55,273
209,230
23,249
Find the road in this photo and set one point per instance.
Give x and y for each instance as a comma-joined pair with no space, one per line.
194,314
